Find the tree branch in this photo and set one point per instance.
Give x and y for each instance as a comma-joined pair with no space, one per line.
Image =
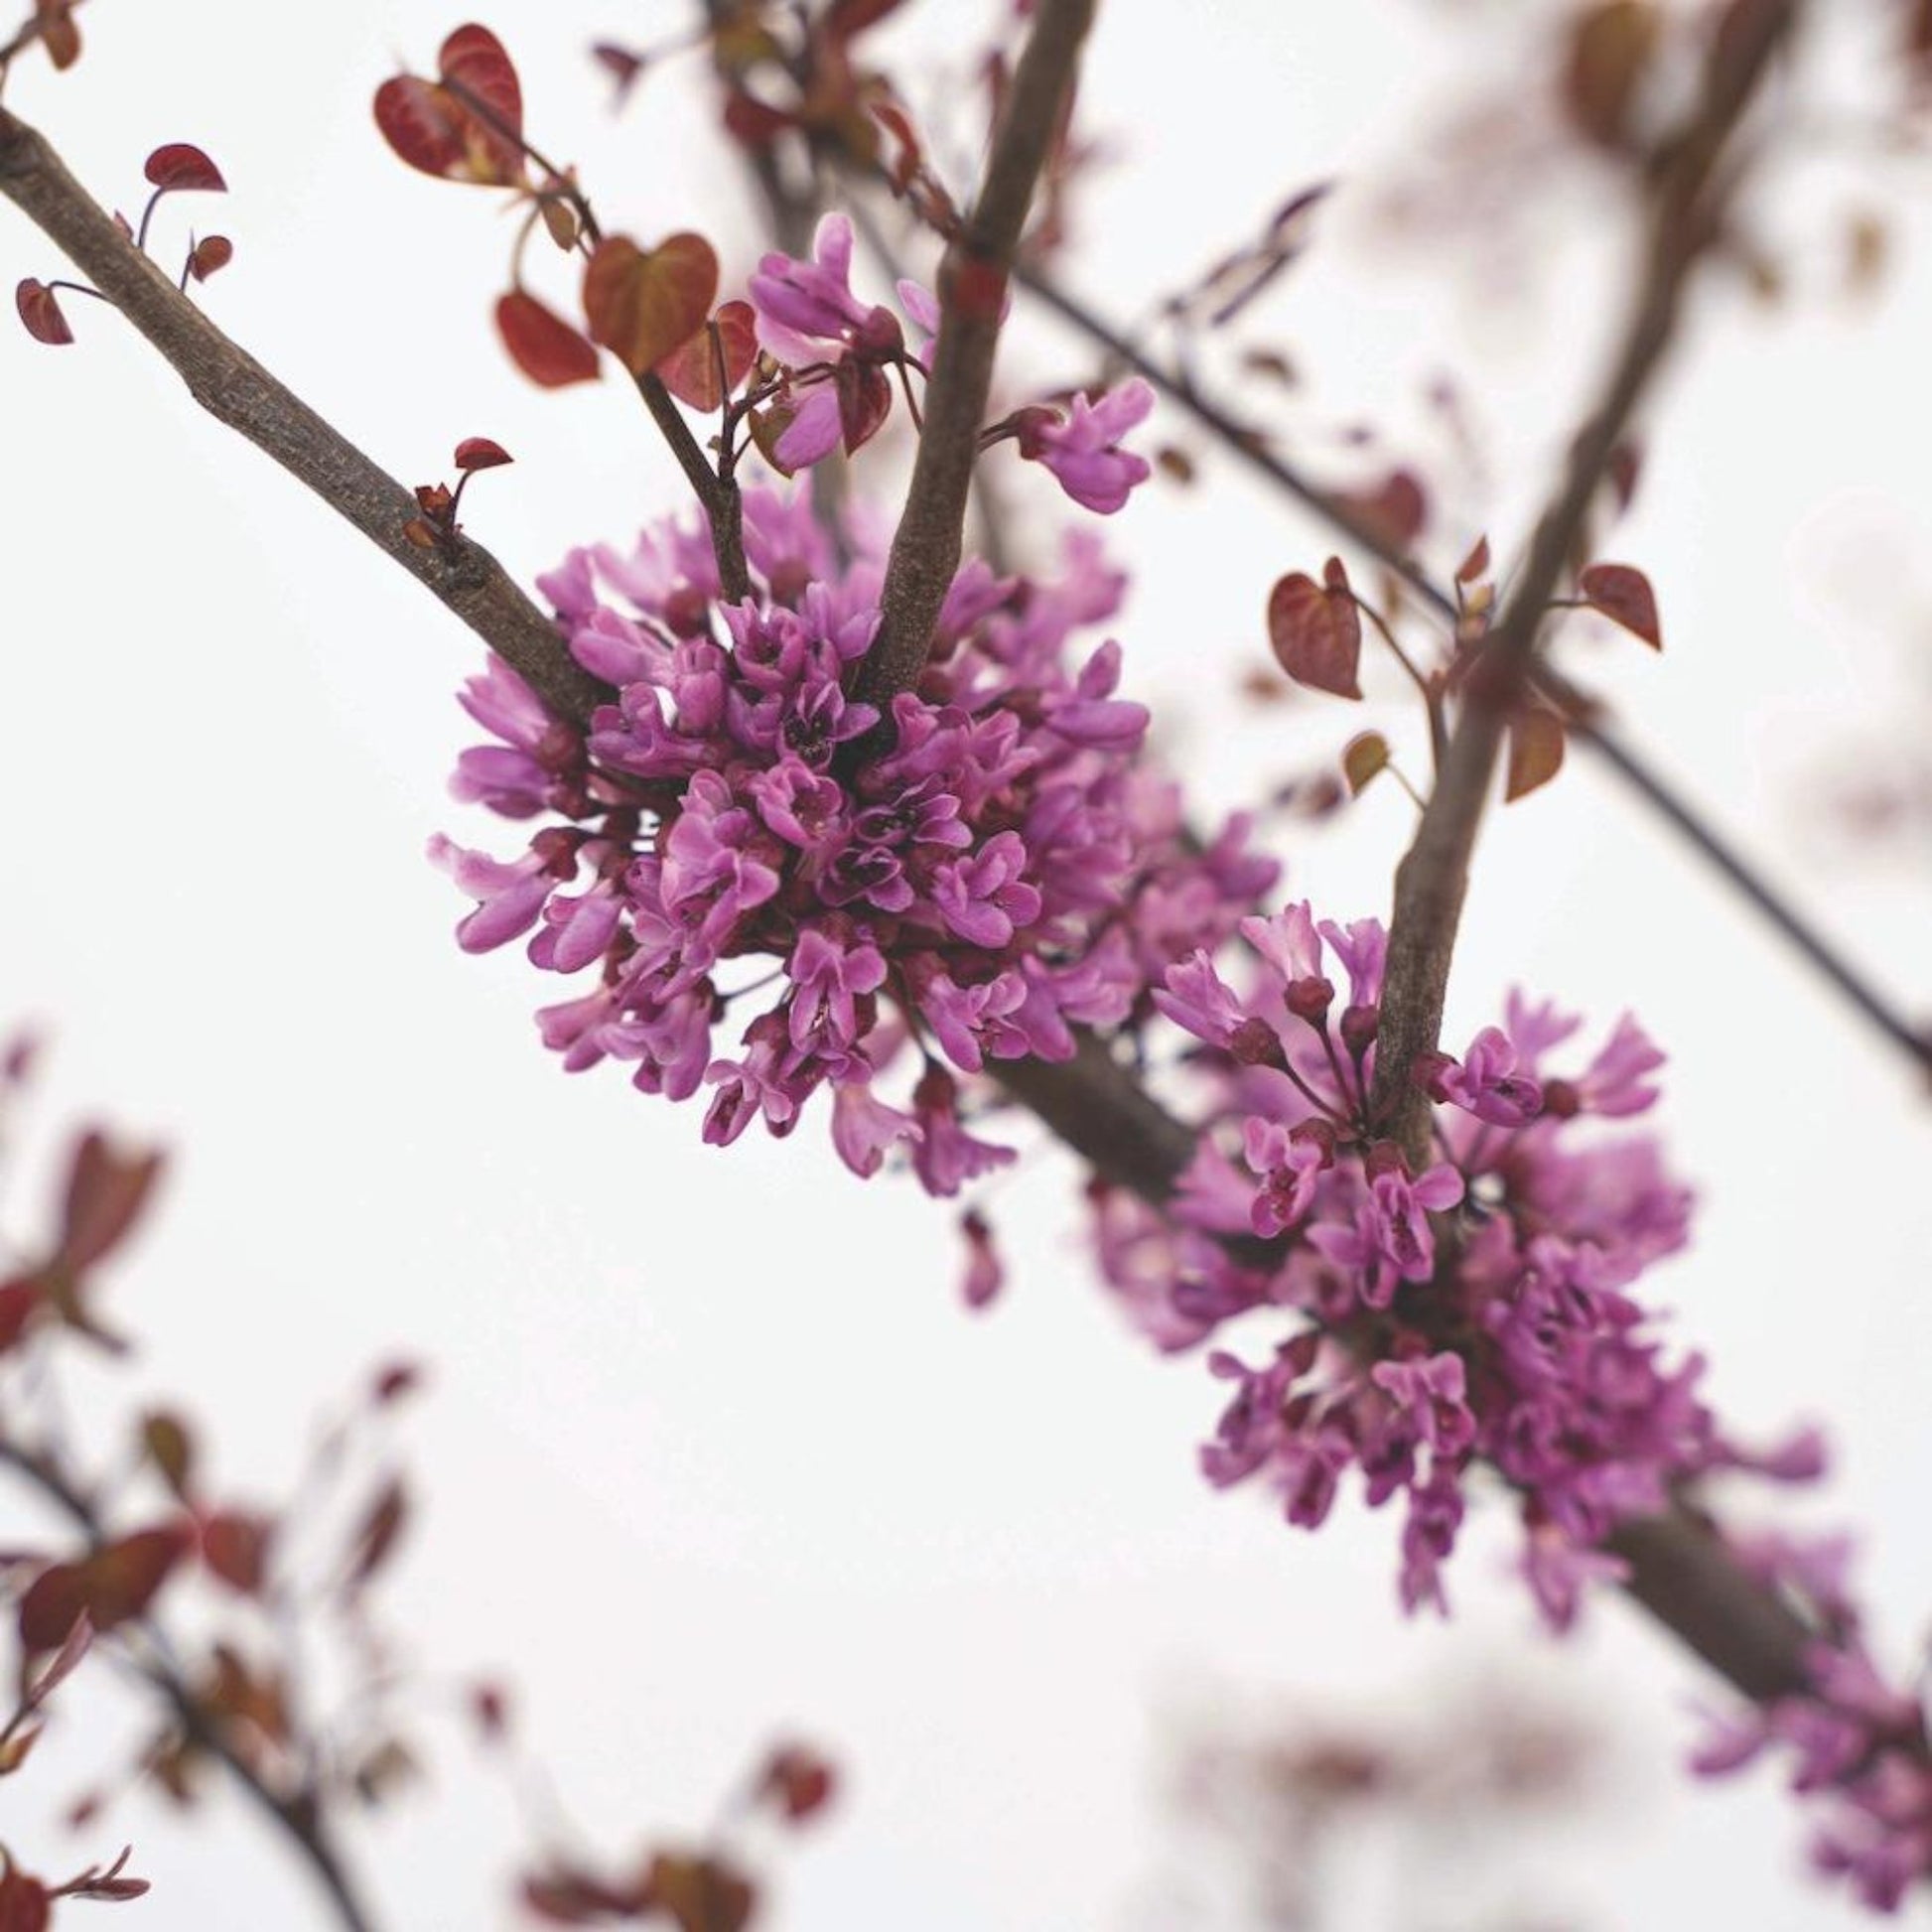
236,390
1433,876
297,1817
973,281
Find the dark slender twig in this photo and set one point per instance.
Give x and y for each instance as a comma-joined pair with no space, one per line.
297,1817
973,281
724,506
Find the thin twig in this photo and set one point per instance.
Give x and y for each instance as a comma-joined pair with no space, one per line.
298,1817
973,280
724,506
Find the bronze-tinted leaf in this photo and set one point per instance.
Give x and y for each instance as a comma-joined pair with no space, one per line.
1609,53
15,1746
1535,751
1623,594
542,344
24,1904
1316,633
1363,759
700,1894
178,165
643,304
1476,564
106,1192
58,35
40,314
166,1442
211,254
691,373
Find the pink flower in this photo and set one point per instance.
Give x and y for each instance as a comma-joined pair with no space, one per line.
1083,450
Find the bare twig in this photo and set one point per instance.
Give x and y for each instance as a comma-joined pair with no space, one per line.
724,506
973,281
296,1816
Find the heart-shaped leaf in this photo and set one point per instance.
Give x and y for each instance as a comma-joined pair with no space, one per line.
1316,632
41,313
115,1585
691,373
181,166
211,253
1535,751
644,305
465,125
1623,594
542,344
1393,512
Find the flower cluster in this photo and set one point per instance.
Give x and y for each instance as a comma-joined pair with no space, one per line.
837,355
1473,1311
1855,1744
968,879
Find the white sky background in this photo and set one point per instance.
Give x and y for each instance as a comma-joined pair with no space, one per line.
711,1450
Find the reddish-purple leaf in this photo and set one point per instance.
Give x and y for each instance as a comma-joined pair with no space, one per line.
622,64
74,1646
473,59
643,304
235,1546
376,1540
18,1301
400,1379
115,1584
1474,564
1535,751
41,313
179,165
211,253
542,344
1623,594
476,138
691,373
106,1192
1316,632
1393,512
106,1886
480,453
797,1780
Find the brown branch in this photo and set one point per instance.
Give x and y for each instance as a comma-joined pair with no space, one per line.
973,280
298,1817
235,389
1433,876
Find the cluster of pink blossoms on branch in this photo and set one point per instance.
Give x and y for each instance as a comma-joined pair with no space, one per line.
993,868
